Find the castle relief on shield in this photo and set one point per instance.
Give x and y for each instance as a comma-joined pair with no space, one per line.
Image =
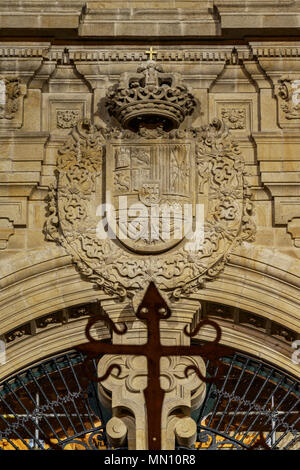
150,200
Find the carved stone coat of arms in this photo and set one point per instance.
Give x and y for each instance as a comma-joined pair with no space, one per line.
148,201
151,182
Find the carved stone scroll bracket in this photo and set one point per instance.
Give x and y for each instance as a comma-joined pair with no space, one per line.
293,228
287,90
12,93
116,431
6,231
186,431
124,393
13,213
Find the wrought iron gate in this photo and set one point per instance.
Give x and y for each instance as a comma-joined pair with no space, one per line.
52,405
252,406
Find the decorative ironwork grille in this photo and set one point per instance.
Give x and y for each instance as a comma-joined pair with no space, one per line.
252,405
53,405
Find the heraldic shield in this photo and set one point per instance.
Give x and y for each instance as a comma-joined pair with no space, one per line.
151,190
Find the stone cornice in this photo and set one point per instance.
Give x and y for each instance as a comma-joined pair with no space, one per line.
152,19
268,49
264,51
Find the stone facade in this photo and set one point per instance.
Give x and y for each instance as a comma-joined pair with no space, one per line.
66,138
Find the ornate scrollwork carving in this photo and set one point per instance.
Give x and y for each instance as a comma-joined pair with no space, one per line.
289,91
72,218
67,118
219,170
18,333
222,184
235,118
9,93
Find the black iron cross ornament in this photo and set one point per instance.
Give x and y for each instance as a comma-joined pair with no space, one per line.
152,309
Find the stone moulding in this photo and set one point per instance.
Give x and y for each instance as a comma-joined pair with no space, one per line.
219,312
293,228
31,346
202,18
154,19
6,231
43,281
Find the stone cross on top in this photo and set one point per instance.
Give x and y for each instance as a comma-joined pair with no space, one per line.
151,53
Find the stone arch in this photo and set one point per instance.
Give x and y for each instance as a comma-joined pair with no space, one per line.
45,282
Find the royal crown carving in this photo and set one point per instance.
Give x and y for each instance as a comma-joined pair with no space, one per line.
150,95
158,182
235,118
289,91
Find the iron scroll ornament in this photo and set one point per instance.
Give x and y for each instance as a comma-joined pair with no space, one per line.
250,396
152,309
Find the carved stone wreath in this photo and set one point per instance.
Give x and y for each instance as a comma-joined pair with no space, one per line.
219,173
